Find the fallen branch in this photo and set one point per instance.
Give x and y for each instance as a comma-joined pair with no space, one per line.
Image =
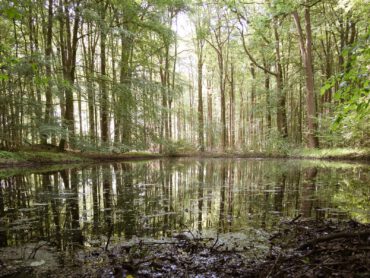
312,243
34,251
295,219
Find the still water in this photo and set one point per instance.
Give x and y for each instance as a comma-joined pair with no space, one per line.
158,198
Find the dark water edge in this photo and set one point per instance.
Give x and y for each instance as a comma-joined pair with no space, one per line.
58,212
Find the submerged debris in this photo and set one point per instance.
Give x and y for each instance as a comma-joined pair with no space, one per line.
303,248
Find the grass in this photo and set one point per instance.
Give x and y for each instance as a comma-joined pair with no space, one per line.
37,157
117,156
333,153
40,157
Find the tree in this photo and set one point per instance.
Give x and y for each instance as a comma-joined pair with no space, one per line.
305,43
69,21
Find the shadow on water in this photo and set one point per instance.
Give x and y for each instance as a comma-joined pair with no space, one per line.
106,203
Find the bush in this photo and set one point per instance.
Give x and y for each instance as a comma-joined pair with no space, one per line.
276,144
171,147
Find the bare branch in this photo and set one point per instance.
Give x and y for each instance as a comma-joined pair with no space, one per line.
253,60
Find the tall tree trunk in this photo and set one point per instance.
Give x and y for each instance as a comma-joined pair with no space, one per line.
232,107
48,53
89,55
268,99
281,109
125,120
69,43
104,115
223,102
200,97
252,105
306,53
209,114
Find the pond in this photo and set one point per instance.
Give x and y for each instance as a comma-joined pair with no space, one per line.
159,198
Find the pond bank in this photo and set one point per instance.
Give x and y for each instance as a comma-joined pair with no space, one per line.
298,248
39,157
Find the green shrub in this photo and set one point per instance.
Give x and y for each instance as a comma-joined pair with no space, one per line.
171,147
276,144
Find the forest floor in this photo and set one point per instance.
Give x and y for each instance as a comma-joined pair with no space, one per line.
297,248
35,156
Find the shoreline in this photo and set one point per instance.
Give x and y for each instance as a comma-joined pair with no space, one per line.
36,158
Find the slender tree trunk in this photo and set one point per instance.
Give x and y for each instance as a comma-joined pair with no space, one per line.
268,100
306,53
210,142
282,124
252,128
223,102
232,107
48,53
69,43
104,115
200,98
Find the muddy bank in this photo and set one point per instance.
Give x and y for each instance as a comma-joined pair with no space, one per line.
297,249
318,249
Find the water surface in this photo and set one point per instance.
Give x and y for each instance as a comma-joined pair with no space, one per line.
87,205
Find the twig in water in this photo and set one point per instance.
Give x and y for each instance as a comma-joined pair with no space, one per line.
194,237
34,251
109,237
214,244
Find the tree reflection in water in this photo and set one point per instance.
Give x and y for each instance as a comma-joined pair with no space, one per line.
75,207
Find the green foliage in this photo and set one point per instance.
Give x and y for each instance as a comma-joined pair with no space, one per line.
37,156
171,147
9,11
276,144
352,114
8,156
86,144
334,153
49,130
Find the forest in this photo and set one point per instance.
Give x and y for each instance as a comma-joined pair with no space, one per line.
184,138
180,75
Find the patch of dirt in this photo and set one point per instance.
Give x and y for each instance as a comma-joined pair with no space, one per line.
304,248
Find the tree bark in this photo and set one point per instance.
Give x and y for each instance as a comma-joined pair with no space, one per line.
281,117
48,53
69,43
200,97
306,53
104,119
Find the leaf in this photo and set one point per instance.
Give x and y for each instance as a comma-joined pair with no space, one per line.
325,88
12,13
37,263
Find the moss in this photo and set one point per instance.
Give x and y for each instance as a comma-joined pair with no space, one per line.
35,157
22,157
45,156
